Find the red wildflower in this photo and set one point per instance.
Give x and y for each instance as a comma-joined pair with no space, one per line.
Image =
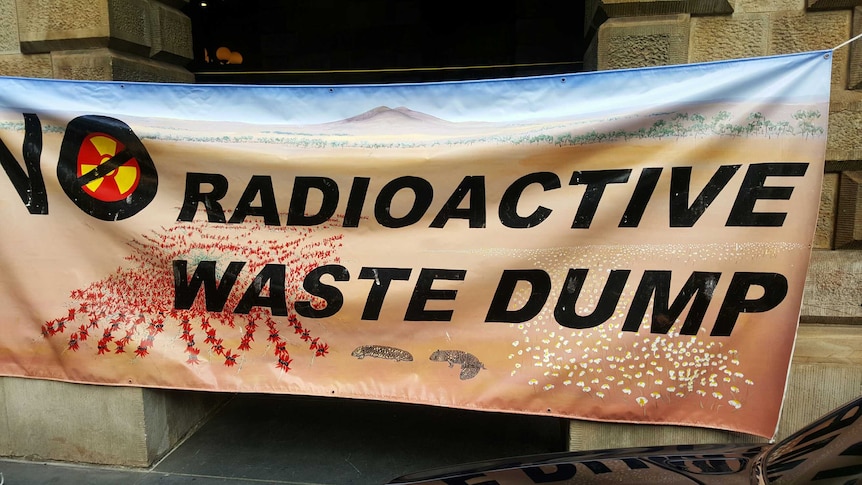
73,341
284,361
322,350
230,359
124,341
211,336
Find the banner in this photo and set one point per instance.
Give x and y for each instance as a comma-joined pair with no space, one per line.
625,246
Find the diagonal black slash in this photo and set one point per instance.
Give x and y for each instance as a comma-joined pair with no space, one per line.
103,169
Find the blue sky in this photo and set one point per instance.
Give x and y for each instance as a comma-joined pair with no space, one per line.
793,78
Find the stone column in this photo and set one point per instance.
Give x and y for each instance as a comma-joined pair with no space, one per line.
121,40
127,40
825,369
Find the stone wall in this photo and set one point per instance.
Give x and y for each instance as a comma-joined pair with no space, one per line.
634,33
122,40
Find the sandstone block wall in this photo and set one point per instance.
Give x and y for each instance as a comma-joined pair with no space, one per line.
120,40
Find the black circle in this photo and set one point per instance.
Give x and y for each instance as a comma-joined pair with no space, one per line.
67,168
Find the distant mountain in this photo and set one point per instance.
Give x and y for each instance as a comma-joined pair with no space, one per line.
384,119
387,115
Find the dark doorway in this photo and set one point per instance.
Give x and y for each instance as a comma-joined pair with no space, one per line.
382,41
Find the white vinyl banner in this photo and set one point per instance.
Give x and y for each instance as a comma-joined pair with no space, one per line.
624,246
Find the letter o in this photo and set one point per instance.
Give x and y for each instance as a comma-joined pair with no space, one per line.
109,195
423,192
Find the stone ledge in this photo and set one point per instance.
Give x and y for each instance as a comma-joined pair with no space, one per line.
717,38
854,75
825,231
845,124
6,442
26,65
172,35
172,415
594,17
126,426
9,28
47,25
832,4
763,6
833,287
828,344
589,435
598,11
55,25
643,41
130,28
71,422
106,65
173,3
814,389
848,225
640,8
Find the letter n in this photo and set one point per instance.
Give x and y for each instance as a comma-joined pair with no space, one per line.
30,186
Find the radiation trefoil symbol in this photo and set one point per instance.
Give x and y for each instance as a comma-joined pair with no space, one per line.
105,169
115,185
